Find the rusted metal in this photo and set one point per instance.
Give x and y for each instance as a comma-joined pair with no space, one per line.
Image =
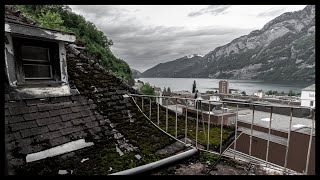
196,104
269,133
235,133
250,145
288,144
158,112
209,128
167,115
221,128
186,124
310,141
176,117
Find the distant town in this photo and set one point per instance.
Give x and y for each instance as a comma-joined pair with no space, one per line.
306,98
235,109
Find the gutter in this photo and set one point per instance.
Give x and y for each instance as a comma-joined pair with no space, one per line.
158,164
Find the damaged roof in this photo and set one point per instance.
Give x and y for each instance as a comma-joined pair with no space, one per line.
17,23
122,136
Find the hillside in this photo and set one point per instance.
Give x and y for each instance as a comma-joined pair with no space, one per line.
181,67
135,73
284,49
60,17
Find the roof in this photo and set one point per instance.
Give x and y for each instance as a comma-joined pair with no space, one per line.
12,14
37,124
278,122
17,23
310,88
100,114
306,130
265,136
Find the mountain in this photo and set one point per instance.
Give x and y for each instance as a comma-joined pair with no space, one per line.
135,73
177,68
284,49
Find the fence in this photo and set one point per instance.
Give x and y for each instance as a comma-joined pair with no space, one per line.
229,147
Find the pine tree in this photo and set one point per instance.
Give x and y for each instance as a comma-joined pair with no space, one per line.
194,86
169,91
164,92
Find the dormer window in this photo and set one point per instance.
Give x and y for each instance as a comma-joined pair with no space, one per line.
36,61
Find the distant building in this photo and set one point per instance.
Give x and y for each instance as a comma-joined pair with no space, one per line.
216,116
308,96
138,85
260,93
224,87
158,92
214,98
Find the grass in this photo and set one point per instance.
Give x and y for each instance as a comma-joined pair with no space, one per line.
214,137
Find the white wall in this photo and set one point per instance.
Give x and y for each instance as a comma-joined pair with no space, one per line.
306,97
214,98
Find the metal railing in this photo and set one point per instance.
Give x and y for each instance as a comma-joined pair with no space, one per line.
222,121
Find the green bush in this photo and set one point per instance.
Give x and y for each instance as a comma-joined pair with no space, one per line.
147,89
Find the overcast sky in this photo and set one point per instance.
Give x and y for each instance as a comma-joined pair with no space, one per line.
146,35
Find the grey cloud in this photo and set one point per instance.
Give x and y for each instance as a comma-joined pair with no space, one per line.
213,9
143,47
272,12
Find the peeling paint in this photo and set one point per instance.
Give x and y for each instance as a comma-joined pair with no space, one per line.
41,92
9,61
38,32
63,62
68,147
7,28
60,36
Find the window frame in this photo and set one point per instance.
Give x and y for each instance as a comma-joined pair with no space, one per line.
54,60
311,103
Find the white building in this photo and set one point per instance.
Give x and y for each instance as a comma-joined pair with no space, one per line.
260,93
308,96
214,98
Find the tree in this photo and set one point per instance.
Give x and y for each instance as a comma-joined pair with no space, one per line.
164,92
194,86
291,93
51,20
209,92
243,93
147,89
271,92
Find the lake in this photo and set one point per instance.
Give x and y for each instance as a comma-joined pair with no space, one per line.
249,86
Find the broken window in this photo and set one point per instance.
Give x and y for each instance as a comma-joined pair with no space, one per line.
36,60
